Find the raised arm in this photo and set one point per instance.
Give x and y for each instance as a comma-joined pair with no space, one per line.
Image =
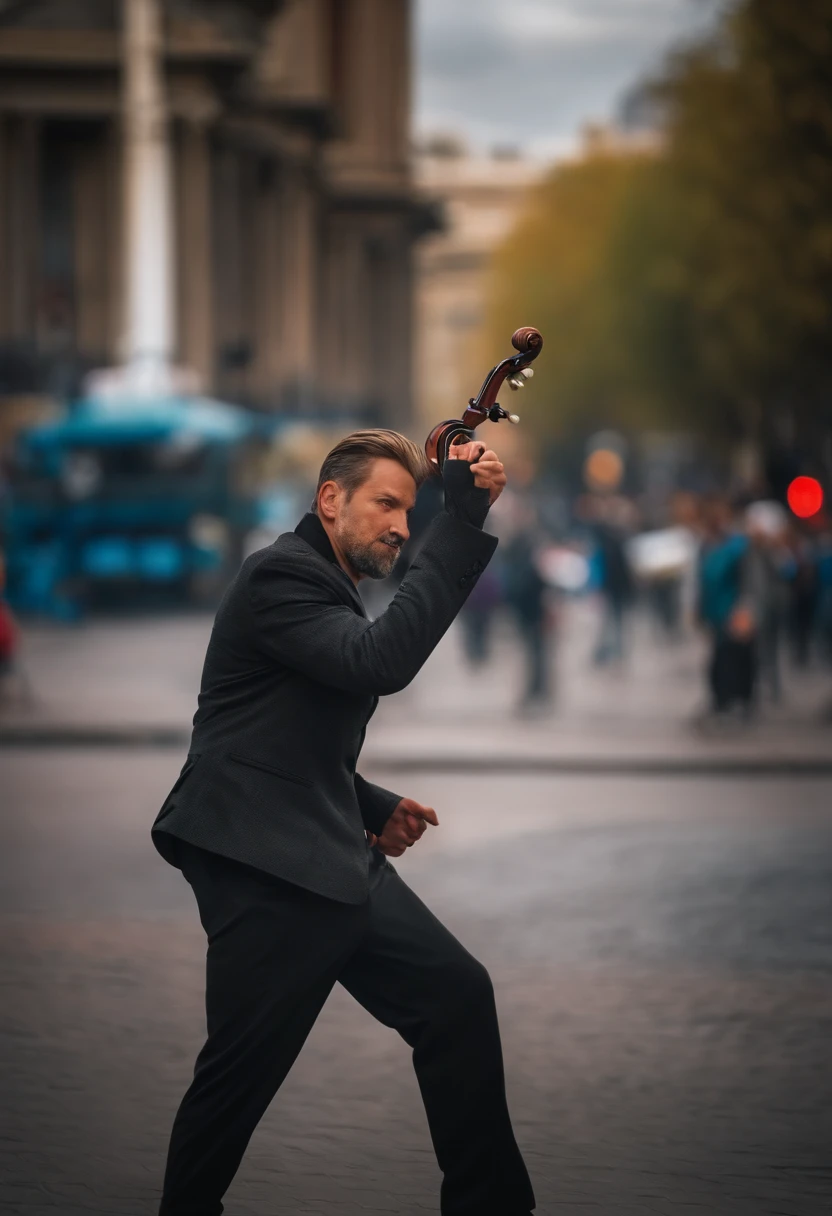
296,621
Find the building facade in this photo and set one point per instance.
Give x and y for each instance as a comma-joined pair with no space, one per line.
293,210
481,199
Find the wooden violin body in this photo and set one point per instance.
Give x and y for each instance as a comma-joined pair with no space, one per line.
528,343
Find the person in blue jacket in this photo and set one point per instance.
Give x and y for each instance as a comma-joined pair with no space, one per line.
724,609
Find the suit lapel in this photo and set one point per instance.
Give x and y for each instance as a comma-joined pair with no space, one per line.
311,530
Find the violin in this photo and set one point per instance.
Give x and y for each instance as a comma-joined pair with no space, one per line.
528,342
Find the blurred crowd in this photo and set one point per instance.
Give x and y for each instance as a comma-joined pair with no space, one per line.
764,584
749,575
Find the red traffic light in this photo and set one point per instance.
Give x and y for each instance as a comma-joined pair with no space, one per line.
805,496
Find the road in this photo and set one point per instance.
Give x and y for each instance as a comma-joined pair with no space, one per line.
133,678
661,950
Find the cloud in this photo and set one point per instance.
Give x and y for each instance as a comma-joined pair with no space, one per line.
582,23
532,72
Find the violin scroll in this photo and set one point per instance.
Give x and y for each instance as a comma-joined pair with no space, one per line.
528,342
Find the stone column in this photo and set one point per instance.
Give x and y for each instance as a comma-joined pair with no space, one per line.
228,261
398,112
346,309
92,216
377,100
23,204
114,247
265,285
362,64
401,388
149,320
195,250
4,231
331,359
390,320
298,284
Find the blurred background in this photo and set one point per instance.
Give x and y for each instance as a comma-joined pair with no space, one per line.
231,231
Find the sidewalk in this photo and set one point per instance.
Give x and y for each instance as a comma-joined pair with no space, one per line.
134,683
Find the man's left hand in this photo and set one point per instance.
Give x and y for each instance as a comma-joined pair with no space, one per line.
404,827
486,466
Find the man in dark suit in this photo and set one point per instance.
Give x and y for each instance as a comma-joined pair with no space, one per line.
285,845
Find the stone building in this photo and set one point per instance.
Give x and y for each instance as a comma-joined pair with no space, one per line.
293,211
481,199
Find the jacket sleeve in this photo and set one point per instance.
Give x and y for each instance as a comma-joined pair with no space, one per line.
376,804
297,621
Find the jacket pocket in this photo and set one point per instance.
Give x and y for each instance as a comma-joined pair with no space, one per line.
250,762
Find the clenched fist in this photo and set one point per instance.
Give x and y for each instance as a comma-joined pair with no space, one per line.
404,827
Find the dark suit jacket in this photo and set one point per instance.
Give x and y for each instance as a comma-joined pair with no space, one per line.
292,675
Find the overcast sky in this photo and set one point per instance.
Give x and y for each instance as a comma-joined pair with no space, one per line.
532,72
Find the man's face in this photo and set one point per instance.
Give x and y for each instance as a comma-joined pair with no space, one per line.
371,527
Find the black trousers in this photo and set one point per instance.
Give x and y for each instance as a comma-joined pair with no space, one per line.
732,672
275,952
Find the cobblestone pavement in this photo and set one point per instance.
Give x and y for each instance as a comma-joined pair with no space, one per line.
662,956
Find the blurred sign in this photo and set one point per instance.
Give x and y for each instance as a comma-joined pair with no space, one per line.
563,568
667,552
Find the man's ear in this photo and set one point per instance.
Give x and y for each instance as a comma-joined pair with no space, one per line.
328,500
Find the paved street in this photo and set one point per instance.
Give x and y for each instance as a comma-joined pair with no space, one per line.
661,945
661,951
139,677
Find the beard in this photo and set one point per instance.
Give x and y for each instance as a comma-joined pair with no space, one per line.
370,558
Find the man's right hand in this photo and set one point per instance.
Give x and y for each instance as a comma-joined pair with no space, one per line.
404,827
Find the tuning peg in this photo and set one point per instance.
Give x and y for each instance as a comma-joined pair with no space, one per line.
515,382
528,372
515,418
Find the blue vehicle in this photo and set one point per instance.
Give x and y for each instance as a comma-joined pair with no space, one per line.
123,503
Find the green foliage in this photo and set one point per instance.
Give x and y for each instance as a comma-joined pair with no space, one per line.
749,118
692,286
594,264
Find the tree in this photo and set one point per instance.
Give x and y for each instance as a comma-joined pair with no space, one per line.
593,263
694,285
748,117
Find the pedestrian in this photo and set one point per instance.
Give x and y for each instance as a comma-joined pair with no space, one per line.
765,588
477,618
615,579
286,846
525,593
803,598
824,610
14,683
8,630
724,610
